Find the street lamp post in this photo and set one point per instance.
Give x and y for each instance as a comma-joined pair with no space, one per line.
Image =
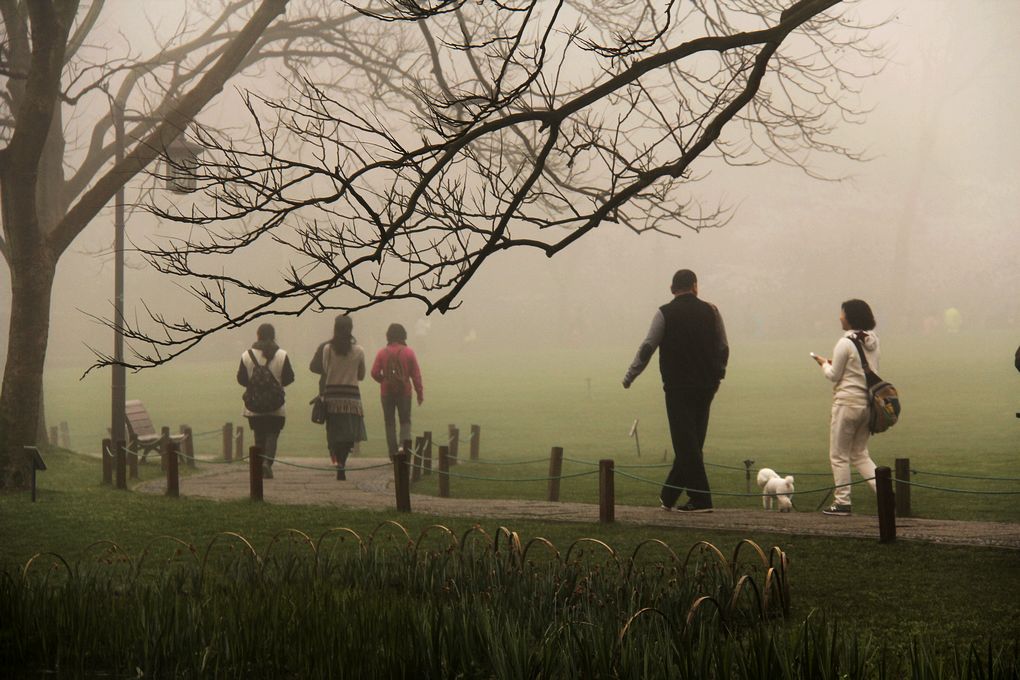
182,154
119,386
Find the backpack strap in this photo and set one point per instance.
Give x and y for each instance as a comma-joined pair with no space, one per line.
860,350
253,359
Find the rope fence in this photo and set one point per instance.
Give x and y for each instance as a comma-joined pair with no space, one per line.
411,463
955,490
948,474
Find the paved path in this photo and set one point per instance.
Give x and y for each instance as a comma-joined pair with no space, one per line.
373,488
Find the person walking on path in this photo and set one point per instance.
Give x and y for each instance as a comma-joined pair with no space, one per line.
693,353
848,427
396,369
341,363
267,425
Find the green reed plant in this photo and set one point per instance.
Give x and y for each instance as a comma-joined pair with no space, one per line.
470,605
384,604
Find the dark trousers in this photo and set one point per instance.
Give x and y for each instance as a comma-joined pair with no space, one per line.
687,410
396,408
267,431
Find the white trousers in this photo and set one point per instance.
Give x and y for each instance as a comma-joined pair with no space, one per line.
848,445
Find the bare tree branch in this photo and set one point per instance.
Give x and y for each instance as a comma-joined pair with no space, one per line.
530,130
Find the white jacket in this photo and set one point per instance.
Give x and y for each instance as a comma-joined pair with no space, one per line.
275,367
846,371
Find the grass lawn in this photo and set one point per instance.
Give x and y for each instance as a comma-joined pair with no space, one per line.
960,393
893,592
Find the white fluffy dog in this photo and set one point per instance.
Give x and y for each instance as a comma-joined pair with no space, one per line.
775,489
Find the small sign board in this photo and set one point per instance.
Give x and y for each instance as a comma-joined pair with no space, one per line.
37,463
36,458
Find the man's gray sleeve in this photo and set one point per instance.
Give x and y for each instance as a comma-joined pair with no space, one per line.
724,345
647,349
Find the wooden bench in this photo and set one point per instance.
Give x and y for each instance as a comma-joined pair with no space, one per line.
142,433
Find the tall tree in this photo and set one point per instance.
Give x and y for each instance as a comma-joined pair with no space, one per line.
534,124
55,80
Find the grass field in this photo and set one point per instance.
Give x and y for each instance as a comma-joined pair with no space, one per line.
891,592
959,392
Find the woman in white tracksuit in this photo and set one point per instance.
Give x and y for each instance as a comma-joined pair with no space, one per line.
848,429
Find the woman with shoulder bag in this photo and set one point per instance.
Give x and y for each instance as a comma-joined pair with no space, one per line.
341,364
848,427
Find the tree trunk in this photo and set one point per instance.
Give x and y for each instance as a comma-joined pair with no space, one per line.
31,287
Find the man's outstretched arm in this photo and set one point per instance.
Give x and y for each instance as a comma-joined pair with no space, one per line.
647,348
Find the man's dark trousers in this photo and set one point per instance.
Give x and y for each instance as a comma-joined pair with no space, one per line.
687,409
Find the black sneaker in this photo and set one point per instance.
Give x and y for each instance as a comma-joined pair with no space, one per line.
664,507
837,510
690,507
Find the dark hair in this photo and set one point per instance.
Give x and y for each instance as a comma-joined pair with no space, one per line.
858,315
342,338
396,333
266,340
683,280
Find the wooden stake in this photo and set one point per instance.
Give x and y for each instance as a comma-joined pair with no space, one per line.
607,492
555,470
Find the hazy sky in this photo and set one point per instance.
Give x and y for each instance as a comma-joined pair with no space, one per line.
943,140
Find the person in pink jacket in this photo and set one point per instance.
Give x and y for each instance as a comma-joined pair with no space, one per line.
396,370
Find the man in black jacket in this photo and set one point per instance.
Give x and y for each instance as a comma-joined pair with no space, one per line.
693,353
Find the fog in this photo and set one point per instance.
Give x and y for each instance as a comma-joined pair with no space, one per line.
928,223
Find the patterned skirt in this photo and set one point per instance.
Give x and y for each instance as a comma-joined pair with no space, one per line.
345,417
345,427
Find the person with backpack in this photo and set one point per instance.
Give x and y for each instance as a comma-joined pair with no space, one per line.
340,362
396,369
264,371
849,425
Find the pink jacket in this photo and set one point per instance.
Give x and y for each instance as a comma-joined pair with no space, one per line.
407,359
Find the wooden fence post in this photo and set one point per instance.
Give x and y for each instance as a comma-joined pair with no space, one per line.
555,470
255,473
444,469
607,492
886,505
476,435
417,459
107,461
65,435
173,480
188,446
120,462
401,482
228,444
902,487
239,443
428,455
454,446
